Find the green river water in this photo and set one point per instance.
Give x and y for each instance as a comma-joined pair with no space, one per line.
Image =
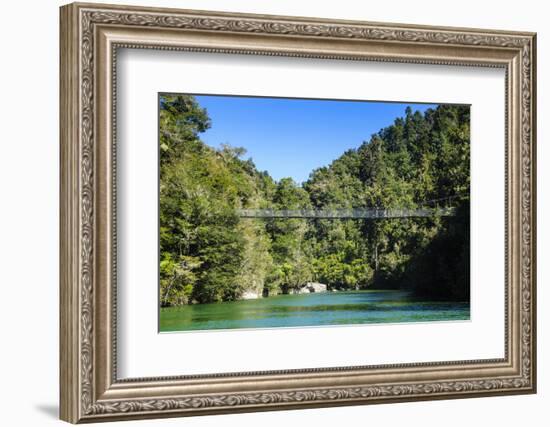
315,309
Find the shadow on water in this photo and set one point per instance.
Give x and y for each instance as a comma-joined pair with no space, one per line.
330,308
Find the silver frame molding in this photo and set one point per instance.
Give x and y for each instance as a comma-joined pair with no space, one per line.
90,37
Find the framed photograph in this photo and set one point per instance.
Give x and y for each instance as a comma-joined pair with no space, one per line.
265,213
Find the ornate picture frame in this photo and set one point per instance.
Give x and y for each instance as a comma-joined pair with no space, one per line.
90,37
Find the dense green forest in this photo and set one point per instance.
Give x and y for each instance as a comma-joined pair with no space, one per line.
209,254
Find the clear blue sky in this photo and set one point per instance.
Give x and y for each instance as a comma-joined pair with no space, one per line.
292,137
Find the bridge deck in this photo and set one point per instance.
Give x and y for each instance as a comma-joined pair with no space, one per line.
357,213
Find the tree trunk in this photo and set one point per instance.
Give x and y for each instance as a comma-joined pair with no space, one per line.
376,256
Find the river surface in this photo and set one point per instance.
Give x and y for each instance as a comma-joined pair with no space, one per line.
315,309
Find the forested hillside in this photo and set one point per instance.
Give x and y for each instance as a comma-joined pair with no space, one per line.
209,254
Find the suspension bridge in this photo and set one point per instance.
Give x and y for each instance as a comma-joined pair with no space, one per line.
428,208
357,213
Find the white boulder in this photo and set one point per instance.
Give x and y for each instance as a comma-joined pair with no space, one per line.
250,295
316,287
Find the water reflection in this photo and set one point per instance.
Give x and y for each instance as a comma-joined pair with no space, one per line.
330,308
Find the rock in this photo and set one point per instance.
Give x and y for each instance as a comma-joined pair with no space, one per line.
316,287
310,287
302,290
250,295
